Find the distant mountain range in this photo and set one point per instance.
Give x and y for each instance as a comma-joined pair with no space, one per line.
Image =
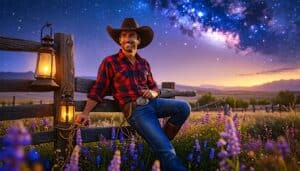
292,85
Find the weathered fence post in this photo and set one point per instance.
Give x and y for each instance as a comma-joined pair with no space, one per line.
226,109
65,78
167,85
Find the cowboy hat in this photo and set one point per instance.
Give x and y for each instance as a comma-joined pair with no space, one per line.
129,24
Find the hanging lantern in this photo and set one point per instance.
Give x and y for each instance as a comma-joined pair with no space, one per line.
66,110
45,67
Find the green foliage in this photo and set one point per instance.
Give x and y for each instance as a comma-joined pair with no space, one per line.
286,98
263,102
206,98
240,103
231,101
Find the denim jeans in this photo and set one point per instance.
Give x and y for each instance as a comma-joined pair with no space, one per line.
145,120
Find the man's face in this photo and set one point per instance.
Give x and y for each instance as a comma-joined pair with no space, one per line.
129,41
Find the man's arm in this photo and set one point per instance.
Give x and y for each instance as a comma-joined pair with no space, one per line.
97,92
84,117
89,106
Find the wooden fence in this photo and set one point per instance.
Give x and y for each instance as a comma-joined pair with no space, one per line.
65,77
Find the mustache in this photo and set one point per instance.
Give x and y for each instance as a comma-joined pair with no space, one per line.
129,42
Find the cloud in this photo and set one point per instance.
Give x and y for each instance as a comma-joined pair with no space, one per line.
274,71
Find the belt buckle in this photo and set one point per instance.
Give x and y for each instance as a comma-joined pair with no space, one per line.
142,101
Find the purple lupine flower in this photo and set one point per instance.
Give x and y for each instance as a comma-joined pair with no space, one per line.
133,153
121,136
98,160
124,158
156,166
283,147
115,162
243,167
205,144
224,165
45,122
212,153
270,145
236,120
221,142
198,159
190,157
113,133
202,120
141,148
219,117
85,152
253,145
12,154
33,125
104,141
233,143
74,160
132,146
206,117
197,146
78,137
33,155
113,147
223,154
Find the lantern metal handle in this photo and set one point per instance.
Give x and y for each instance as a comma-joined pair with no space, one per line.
49,26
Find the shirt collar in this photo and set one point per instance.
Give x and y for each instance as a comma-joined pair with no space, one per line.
123,57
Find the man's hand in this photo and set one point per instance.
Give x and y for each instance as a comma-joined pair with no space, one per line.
83,119
150,94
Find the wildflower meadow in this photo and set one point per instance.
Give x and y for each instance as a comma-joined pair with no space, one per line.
207,141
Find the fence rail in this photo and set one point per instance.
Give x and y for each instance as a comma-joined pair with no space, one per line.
87,134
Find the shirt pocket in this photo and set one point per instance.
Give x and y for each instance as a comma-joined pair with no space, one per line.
143,76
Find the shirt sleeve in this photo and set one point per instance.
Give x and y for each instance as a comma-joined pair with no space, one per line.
102,85
150,81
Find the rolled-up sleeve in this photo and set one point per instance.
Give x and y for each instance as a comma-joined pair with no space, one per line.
102,85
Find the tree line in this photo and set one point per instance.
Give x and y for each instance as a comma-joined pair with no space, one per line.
285,100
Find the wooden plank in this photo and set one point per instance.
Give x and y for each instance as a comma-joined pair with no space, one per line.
42,137
15,85
83,85
105,106
13,44
25,111
169,93
87,135
18,85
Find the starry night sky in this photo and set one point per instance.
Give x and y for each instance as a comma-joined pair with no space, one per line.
212,42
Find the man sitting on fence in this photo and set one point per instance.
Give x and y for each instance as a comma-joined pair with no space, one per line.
127,76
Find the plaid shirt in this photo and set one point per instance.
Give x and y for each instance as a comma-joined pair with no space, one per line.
118,77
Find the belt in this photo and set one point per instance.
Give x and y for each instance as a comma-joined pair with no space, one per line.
129,107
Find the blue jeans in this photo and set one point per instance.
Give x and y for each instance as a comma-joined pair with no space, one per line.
145,120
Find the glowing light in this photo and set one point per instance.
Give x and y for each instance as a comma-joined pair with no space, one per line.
200,14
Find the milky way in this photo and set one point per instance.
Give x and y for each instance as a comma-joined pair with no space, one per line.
270,27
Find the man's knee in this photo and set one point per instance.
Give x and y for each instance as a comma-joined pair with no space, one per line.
185,109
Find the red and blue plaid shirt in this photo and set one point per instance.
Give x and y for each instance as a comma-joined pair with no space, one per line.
118,77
